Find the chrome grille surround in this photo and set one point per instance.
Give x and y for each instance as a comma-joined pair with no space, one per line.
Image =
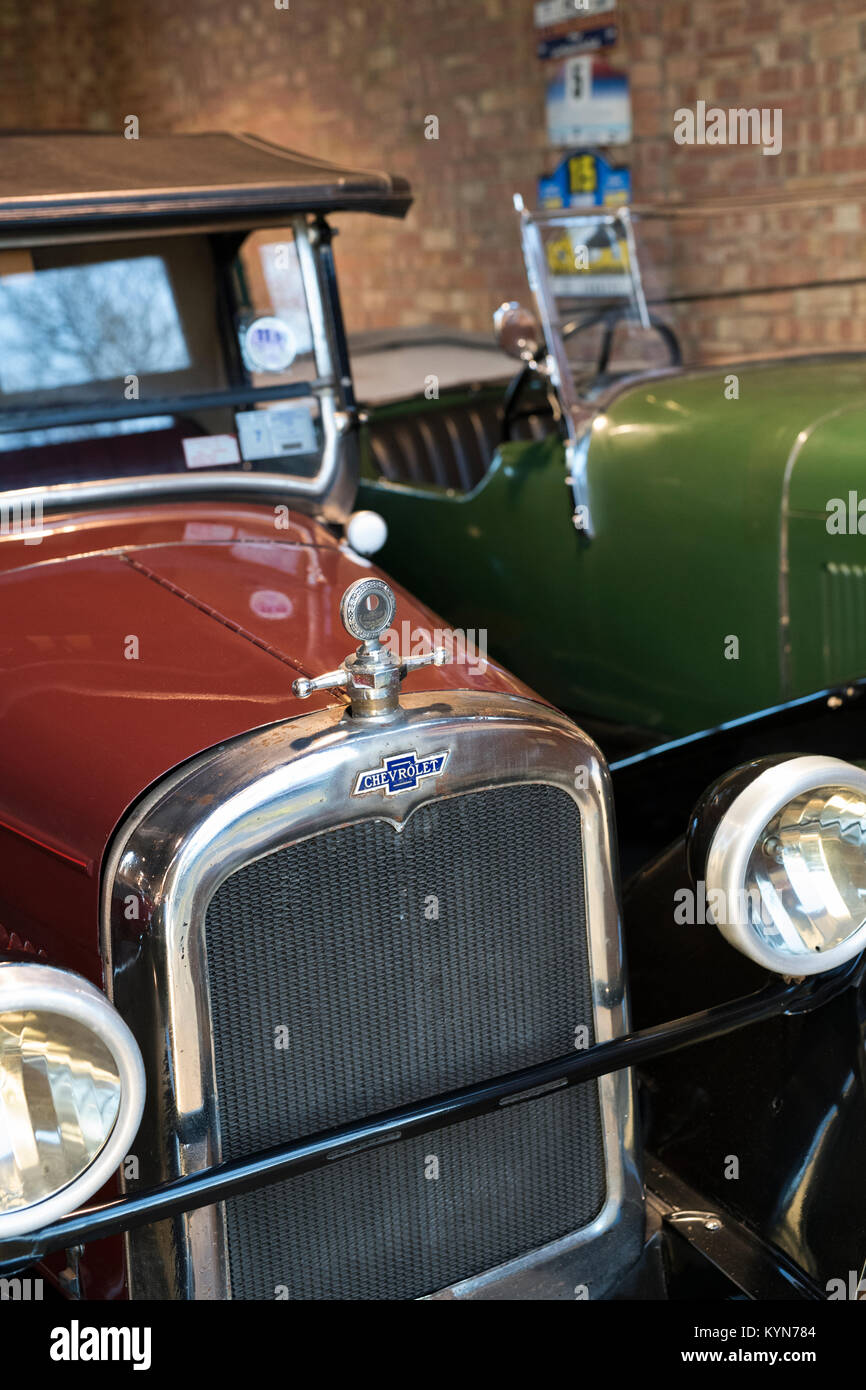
247,797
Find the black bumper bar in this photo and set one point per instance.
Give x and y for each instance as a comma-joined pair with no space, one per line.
776,998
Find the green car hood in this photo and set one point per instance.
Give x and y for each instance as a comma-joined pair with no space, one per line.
712,483
703,486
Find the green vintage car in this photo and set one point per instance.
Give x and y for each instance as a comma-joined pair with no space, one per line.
707,558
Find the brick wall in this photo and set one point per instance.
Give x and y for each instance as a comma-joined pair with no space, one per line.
356,79
53,58
809,60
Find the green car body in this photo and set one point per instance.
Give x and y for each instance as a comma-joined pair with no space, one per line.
726,572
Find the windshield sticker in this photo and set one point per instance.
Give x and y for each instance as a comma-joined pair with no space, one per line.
211,451
267,434
268,345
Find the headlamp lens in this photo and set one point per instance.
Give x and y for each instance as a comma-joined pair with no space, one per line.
60,1095
806,876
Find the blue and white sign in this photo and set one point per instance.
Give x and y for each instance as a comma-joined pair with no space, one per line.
588,103
580,41
401,773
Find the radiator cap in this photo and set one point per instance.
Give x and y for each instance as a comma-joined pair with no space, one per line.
371,676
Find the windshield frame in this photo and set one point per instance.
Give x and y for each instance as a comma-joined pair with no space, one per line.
558,367
328,492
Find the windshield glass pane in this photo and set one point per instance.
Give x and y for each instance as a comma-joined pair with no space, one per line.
88,323
156,355
107,322
800,290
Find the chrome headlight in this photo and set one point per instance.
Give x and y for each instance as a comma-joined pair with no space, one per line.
786,867
71,1094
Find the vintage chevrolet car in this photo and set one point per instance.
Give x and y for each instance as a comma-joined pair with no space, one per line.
313,980
706,558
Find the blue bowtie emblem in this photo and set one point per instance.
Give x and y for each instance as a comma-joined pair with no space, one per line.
401,773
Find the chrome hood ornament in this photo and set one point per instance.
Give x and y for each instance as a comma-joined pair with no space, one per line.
373,675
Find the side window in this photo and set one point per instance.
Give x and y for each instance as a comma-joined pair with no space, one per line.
275,338
274,330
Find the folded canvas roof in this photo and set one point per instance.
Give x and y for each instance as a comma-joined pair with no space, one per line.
53,182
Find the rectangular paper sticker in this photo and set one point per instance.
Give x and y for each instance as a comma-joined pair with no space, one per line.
267,434
211,450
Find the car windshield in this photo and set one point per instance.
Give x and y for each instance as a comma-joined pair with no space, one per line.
672,283
155,355
81,324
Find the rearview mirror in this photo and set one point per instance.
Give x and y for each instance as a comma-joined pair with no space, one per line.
517,331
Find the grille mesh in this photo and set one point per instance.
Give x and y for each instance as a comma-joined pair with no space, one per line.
336,939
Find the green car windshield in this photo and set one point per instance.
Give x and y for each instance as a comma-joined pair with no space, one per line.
662,284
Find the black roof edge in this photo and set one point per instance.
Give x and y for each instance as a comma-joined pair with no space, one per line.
55,182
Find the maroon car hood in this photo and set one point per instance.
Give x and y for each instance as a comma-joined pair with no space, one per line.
133,640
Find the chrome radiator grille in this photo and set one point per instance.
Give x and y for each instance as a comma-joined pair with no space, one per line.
362,968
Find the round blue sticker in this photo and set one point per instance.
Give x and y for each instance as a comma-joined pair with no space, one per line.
269,344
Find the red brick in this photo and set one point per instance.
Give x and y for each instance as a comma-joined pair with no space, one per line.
355,81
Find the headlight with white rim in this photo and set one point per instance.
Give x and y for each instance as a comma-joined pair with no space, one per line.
71,1094
787,863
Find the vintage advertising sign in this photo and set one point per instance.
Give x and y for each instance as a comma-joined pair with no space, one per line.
588,103
584,179
557,11
587,263
578,41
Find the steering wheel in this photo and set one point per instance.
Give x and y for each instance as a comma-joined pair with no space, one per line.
610,317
